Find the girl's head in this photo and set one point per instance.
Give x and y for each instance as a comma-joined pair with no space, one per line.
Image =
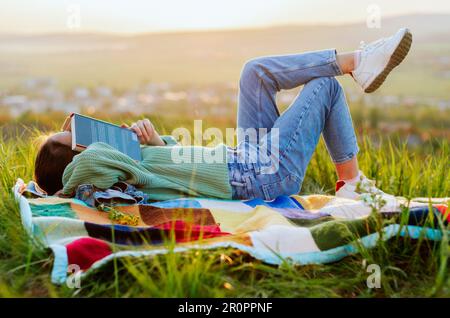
53,157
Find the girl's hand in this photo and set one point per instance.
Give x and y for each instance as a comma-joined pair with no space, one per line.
146,133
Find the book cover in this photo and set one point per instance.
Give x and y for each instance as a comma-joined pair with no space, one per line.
87,130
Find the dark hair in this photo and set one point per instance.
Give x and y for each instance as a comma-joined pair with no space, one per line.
51,160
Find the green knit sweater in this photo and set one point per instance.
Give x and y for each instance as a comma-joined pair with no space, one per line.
165,172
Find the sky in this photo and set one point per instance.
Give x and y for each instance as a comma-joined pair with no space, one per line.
138,16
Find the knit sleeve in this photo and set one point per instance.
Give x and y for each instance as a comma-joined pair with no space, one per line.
102,166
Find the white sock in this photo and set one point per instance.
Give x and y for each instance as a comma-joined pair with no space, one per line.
354,180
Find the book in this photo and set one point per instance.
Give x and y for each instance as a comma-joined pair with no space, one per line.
87,130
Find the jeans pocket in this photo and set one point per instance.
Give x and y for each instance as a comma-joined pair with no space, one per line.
287,186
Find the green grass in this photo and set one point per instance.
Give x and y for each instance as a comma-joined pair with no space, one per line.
409,268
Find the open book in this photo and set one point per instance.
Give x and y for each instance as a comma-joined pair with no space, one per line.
87,130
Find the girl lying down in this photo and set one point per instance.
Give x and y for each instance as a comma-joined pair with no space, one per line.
288,140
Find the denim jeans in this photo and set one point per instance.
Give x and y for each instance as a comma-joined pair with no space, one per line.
287,141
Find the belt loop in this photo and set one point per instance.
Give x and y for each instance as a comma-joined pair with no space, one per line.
256,167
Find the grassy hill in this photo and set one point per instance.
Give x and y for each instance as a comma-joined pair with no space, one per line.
410,268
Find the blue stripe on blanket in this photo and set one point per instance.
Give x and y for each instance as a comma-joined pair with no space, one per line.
180,203
281,202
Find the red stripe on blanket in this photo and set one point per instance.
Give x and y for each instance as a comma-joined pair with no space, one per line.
444,210
185,231
86,251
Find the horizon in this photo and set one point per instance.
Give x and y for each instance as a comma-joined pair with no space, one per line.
230,29
123,60
23,17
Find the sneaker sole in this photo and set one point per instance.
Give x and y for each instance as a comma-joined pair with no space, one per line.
396,58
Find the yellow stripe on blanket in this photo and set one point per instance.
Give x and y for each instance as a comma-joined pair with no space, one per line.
314,201
50,200
259,218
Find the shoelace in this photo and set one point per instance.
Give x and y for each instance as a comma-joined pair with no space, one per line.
368,185
371,46
368,188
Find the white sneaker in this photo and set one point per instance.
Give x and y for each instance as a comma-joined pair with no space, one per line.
364,191
377,59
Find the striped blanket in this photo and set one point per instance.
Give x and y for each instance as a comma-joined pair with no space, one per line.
311,229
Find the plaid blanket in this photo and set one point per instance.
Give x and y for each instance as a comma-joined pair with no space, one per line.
311,229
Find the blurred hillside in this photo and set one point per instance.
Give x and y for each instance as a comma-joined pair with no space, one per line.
174,78
121,62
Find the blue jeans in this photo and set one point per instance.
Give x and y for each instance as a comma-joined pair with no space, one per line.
287,141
